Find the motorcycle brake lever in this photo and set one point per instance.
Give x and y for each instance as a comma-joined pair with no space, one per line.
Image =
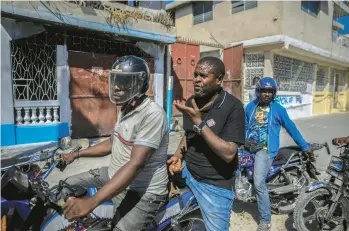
61,165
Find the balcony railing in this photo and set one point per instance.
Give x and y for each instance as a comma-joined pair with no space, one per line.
37,112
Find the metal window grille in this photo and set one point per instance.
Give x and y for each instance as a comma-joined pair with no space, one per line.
321,78
33,71
293,75
254,67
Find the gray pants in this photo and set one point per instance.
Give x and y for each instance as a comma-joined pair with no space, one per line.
134,211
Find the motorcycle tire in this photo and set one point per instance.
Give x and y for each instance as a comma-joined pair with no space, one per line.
191,222
305,198
56,222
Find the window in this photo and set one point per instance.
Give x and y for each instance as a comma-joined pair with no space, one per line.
239,6
311,7
202,12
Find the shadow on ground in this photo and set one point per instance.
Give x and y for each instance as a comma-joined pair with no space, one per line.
245,216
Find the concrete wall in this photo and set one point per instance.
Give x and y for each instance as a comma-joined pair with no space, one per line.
10,133
63,79
268,18
300,25
64,12
227,27
154,5
7,112
158,52
211,51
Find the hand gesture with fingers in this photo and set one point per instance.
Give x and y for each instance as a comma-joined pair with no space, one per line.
193,112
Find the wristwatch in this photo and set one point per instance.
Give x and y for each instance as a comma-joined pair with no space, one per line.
198,128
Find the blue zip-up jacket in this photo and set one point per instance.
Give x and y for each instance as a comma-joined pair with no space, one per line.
277,117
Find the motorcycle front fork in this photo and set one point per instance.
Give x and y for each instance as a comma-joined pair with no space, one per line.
336,199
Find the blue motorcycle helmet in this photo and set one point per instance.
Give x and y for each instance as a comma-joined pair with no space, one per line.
266,83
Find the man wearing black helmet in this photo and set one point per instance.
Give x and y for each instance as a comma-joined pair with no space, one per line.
136,179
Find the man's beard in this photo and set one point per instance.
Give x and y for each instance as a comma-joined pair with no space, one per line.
207,92
265,101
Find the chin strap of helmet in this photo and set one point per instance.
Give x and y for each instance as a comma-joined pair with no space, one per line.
134,102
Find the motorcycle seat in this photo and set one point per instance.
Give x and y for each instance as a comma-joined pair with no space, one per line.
284,155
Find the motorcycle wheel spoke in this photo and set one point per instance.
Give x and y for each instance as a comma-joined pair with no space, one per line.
189,226
310,218
316,204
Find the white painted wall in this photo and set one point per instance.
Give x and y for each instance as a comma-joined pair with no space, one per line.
63,78
7,113
298,105
158,52
10,30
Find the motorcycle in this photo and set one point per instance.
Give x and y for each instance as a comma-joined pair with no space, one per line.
28,203
325,204
290,172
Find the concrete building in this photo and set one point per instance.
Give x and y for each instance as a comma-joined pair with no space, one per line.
55,59
296,42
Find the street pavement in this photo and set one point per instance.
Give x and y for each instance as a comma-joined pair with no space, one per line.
320,129
317,129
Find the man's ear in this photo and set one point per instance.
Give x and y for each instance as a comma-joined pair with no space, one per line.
219,80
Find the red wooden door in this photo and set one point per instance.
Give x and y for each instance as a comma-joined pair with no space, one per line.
184,60
232,58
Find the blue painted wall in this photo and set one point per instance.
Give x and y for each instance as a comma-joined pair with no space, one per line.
41,133
344,21
12,134
7,135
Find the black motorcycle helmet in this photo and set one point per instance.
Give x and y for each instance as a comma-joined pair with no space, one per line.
128,79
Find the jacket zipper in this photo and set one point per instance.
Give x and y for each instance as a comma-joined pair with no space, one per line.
269,125
249,121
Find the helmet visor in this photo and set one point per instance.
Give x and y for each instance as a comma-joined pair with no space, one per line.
124,86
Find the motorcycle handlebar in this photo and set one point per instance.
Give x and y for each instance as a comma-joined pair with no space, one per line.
61,164
316,146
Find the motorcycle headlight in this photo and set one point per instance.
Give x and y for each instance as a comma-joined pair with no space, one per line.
336,163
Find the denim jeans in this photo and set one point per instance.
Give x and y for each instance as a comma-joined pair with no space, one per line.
262,164
134,211
215,203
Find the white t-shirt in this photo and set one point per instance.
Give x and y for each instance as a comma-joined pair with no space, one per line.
145,125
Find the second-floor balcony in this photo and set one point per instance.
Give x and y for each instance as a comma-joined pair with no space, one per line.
340,9
106,16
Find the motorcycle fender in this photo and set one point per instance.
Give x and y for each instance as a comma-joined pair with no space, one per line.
317,185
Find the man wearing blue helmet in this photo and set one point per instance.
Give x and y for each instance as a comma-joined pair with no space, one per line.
264,118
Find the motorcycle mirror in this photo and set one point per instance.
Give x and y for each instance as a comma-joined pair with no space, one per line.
65,143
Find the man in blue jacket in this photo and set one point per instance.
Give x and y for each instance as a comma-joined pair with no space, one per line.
264,118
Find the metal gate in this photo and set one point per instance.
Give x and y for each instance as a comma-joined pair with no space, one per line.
93,115
184,60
